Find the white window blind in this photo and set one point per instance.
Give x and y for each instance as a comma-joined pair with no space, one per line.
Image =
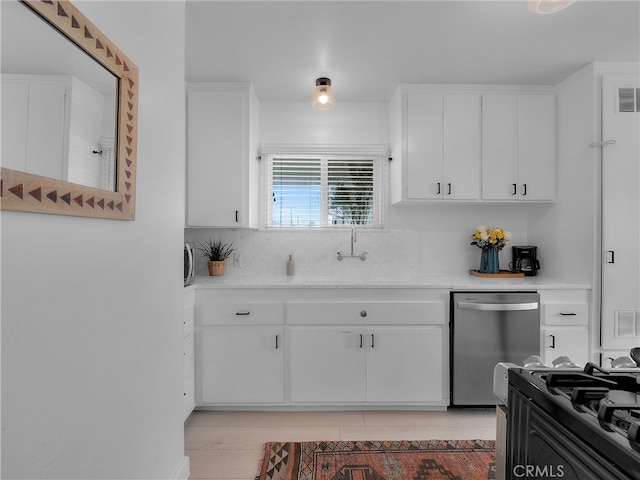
314,191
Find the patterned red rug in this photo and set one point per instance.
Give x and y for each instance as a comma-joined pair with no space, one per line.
378,460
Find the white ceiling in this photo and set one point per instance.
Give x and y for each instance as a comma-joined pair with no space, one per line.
367,48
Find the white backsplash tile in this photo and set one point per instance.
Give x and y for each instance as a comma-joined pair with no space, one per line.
392,253
420,241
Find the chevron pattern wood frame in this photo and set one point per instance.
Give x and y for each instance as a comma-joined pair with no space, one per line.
20,191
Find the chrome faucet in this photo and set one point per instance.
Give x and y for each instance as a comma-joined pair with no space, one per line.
354,238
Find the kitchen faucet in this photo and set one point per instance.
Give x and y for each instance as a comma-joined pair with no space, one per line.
354,238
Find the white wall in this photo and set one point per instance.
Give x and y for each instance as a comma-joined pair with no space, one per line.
346,123
91,330
420,239
568,231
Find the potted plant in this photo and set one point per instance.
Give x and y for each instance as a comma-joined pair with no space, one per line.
217,252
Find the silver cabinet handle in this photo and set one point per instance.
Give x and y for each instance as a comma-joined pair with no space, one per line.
498,307
277,341
242,314
363,313
515,189
448,188
438,188
612,256
524,189
570,314
373,341
553,341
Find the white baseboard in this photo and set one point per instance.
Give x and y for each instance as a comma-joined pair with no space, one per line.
183,470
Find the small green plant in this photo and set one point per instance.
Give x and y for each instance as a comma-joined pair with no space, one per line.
216,251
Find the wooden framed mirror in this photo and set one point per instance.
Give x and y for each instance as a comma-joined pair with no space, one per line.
29,192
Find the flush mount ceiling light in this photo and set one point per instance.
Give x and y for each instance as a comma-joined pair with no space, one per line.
549,6
323,96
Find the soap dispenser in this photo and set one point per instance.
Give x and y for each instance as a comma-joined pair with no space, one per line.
291,266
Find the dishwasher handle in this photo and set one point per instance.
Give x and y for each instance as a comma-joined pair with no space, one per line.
498,307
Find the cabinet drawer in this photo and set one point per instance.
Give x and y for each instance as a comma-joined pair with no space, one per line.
565,313
369,313
237,313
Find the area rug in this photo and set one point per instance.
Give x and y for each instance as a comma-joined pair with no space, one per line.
378,460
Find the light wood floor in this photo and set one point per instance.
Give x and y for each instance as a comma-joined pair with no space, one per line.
228,444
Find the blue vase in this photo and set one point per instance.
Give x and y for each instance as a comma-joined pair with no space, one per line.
489,261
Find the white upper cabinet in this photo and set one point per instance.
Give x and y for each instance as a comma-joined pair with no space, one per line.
222,164
57,126
499,147
518,147
462,151
437,146
35,124
472,144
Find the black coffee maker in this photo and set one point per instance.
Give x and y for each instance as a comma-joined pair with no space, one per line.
524,260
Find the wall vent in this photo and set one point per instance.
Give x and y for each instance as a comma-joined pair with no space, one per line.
628,100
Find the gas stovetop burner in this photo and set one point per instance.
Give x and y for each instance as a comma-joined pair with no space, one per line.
620,408
598,409
614,398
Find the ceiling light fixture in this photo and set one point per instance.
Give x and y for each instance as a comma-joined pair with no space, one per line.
549,6
323,96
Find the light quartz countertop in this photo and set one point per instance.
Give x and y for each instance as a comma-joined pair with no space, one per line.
445,281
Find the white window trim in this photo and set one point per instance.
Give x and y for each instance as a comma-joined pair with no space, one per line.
378,151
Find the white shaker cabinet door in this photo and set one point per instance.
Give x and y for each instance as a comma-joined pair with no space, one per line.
424,136
536,147
15,115
462,119
570,342
216,158
327,364
499,146
443,146
405,364
242,365
33,127
518,147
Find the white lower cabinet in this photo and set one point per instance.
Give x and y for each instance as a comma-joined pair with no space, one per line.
242,365
327,364
405,364
570,342
239,348
378,351
565,325
188,350
322,347
354,364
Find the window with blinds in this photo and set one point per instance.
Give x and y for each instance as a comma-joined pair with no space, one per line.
323,191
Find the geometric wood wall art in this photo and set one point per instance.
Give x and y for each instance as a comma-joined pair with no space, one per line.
20,191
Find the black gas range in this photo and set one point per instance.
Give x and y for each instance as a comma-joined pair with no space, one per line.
573,424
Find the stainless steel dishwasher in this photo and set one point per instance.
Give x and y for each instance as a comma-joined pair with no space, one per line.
487,328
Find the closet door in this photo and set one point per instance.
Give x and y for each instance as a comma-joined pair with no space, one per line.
621,212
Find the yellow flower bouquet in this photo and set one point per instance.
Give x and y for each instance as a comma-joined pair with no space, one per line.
490,237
